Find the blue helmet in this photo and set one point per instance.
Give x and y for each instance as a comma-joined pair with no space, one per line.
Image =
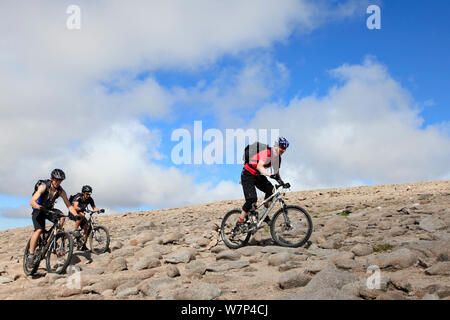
282,142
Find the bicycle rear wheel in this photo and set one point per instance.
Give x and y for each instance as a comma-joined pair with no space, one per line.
99,239
291,226
232,235
59,253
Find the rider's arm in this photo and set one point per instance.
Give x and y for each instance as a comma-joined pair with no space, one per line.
68,204
92,203
261,169
36,196
76,205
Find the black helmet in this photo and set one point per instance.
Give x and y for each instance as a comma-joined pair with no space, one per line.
86,189
58,174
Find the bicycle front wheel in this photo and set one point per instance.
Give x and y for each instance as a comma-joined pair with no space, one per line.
291,226
232,235
59,253
99,240
31,271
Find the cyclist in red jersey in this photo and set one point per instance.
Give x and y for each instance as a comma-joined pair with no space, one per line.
254,175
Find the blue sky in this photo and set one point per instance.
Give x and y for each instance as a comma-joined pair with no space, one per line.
284,76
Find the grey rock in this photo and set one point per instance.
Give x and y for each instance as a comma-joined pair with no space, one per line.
115,245
332,278
172,271
362,250
146,226
400,259
218,249
279,258
117,264
172,237
288,265
4,280
128,284
124,251
249,251
146,263
127,292
195,267
181,256
153,287
203,291
397,231
432,224
221,267
336,225
440,268
315,266
293,279
228,255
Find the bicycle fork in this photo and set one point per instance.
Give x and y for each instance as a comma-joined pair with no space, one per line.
288,225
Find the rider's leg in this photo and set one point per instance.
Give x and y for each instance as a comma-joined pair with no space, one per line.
39,225
34,240
265,186
78,220
85,228
248,185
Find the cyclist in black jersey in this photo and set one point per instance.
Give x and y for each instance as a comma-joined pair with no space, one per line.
80,202
42,201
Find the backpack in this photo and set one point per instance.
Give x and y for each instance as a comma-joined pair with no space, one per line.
39,182
72,197
253,149
44,199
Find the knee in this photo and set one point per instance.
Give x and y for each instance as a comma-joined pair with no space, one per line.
248,205
37,233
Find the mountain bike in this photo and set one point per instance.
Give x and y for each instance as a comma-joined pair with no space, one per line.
97,235
291,226
55,245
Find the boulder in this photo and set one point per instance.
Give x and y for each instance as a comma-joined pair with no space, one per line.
228,255
183,255
362,250
202,291
432,224
440,268
400,259
293,279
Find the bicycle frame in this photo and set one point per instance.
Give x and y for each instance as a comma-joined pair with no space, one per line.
50,240
276,196
91,223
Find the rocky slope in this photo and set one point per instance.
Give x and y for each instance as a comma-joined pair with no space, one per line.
177,253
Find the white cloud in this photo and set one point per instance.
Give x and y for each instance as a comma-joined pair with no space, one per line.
55,113
120,164
367,130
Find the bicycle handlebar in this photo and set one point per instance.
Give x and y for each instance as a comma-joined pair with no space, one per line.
58,213
92,212
278,179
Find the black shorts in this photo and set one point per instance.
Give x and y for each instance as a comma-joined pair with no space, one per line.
39,217
83,221
249,184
